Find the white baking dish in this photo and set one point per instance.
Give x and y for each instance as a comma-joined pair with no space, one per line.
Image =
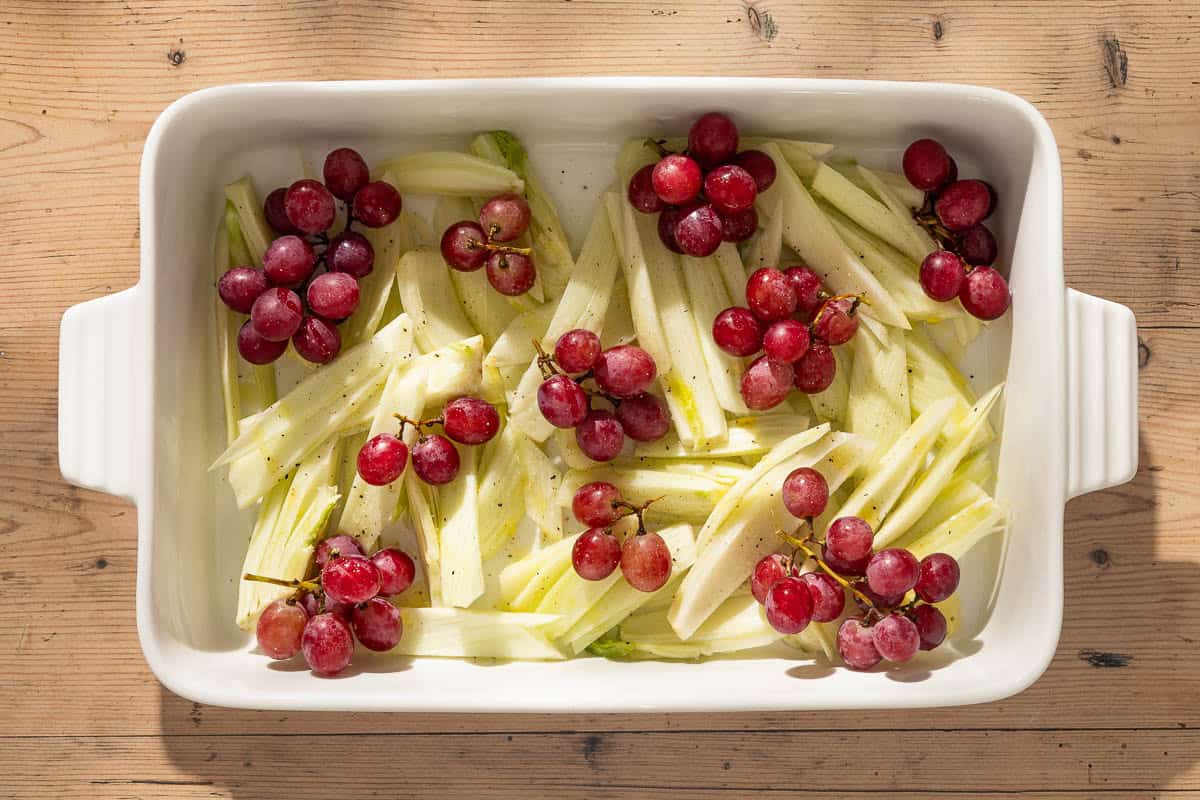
139,413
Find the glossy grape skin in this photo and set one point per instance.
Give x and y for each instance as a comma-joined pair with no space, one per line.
255,349
310,602
288,261
462,246
985,294
562,401
963,204
738,332
340,545
276,314
350,579
327,644
856,645
699,231
317,340
595,554
739,226
309,206
805,493
345,172
505,217
786,341
766,383
646,562
926,164
280,627
893,571
577,350
789,605
470,420
641,191
938,579
835,323
730,188
377,204
978,246
828,596
435,459
333,295
676,179
350,252
240,287
771,295
881,601
510,274
896,638
809,289
625,370
644,417
396,571
713,138
942,275
377,624
667,221
931,625
276,213
849,539
600,435
767,571
843,567
381,459
594,504
816,370
760,166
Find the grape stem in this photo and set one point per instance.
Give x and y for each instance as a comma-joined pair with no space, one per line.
802,545
425,423
295,583
475,244
658,146
857,299
638,511
545,362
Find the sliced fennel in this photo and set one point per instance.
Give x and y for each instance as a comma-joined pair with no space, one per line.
377,288
525,582
461,560
541,489
501,498
737,624
707,298
633,155
428,297
468,633
423,512
618,323
255,230
571,596
733,272
958,534
643,307
931,377
690,497
831,405
239,254
766,248
448,172
748,436
923,243
864,209
959,494
514,346
878,405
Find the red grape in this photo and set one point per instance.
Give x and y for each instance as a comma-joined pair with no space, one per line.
739,226
345,172
255,349
350,579
435,459
953,171
327,644
667,221
310,602
504,217
333,295
396,570
892,572
942,275
352,253
577,350
562,401
600,435
828,596
595,554
805,493
786,341
939,577
738,332
963,204
644,417
808,288
641,191
240,287
317,340
730,188
896,638
676,179
766,383
625,370
926,165
594,504
880,600
339,609
815,372
381,459
843,567
789,605
713,138
462,246
276,314
849,539
377,624
309,206
469,420
377,204
510,274
836,324
340,545
275,211
280,627
856,645
646,562
698,232
984,293
767,571
979,246
760,165
771,295
931,625
288,261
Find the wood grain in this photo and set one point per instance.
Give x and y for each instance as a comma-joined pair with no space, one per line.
80,84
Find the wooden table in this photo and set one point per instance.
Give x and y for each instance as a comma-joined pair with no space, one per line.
1118,713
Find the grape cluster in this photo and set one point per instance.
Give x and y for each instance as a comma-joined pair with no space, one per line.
468,245
291,297
794,322
466,420
622,375
704,195
347,601
644,557
883,623
953,214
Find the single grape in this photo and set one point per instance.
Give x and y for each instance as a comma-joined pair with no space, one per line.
760,165
594,504
836,323
713,138
992,199
646,562
789,605
926,165
280,627
337,608
333,295
510,274
377,624
953,171
334,546
698,232
730,188
288,261
939,577
984,293
739,226
350,579
435,459
350,252
963,204
771,295
625,370
880,600
505,217
828,596
766,383
310,602
595,554
676,179
641,191
808,289
309,206
805,493
738,332
462,246
767,571
644,417
240,287
275,210
396,570
856,645
931,625
786,341
562,401
815,372
849,538
255,349
942,274
317,340
600,435
978,246
470,420
667,221
842,567
896,638
893,571
377,204
327,644
382,459
577,350
276,314
345,172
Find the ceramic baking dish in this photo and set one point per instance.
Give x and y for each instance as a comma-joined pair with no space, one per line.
139,412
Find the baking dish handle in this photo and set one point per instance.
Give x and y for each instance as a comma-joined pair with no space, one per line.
98,393
1102,420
